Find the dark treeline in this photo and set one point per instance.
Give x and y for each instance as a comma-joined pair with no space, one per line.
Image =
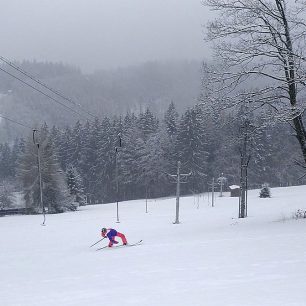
205,144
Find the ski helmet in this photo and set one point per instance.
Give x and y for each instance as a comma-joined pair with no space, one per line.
103,230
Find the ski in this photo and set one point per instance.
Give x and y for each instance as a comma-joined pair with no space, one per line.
120,246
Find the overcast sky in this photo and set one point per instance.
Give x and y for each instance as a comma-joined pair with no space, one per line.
102,34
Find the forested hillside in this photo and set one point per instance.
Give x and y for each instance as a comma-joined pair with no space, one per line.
102,93
144,151
149,115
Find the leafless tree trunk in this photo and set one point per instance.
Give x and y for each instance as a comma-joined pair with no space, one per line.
259,45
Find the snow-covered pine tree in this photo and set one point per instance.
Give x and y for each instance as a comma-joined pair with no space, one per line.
64,147
168,140
55,192
171,120
82,166
17,151
75,185
191,147
55,135
147,123
154,164
106,157
76,144
93,163
128,158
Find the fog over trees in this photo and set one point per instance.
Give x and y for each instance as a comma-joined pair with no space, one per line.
102,93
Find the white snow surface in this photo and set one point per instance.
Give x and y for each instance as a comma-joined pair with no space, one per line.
210,258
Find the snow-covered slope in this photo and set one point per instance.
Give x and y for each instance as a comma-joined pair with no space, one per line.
211,258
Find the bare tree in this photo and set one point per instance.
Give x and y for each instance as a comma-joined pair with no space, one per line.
259,45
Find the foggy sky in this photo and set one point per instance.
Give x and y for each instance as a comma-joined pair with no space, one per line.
102,34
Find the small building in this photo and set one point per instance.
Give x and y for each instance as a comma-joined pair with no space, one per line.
235,190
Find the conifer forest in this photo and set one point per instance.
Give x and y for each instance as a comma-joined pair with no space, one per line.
86,162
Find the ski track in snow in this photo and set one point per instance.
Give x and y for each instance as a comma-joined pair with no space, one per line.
211,258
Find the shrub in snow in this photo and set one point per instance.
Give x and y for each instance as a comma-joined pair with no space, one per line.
5,199
74,206
299,214
265,191
5,195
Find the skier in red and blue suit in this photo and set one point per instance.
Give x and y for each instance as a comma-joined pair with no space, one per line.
111,233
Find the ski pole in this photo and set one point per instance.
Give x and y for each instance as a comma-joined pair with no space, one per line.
97,242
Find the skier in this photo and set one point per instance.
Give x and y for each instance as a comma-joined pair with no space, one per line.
111,234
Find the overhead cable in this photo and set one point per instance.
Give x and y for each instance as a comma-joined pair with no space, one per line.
43,93
56,92
16,122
